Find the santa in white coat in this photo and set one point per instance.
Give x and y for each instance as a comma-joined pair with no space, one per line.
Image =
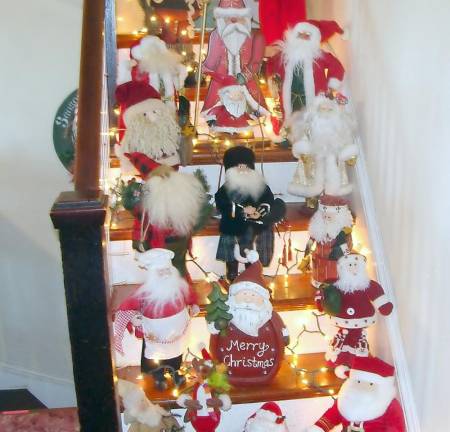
268,418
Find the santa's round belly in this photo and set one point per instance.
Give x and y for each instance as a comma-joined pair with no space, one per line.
251,360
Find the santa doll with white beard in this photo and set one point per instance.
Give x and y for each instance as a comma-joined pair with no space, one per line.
252,346
159,312
268,418
330,230
351,302
248,210
234,50
366,401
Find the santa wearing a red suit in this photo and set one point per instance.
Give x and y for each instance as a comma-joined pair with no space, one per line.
234,50
366,401
268,418
160,312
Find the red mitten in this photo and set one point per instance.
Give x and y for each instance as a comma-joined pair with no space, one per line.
318,299
386,309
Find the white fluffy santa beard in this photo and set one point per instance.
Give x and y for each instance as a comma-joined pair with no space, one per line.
363,401
264,421
299,51
156,139
323,230
234,34
173,202
247,182
248,317
160,291
236,107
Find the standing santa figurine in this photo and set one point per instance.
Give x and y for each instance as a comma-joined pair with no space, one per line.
234,50
248,209
159,312
268,418
252,346
366,401
308,70
352,302
330,238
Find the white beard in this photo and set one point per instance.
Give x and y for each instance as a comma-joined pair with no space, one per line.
324,231
248,183
297,52
155,139
236,108
357,403
349,282
233,35
174,202
264,422
160,291
249,318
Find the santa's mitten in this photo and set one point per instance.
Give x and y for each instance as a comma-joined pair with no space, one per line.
386,308
300,147
318,300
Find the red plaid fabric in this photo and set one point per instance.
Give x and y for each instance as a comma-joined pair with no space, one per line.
142,163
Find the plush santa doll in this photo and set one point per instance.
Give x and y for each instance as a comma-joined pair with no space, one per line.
323,135
268,418
207,399
307,69
248,209
151,129
159,312
366,401
234,50
330,237
252,347
154,64
352,302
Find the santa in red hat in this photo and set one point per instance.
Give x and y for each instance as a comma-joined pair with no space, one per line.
308,70
151,129
159,312
253,345
366,401
204,404
234,50
330,237
355,310
268,418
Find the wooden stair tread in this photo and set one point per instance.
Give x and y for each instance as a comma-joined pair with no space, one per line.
297,295
297,219
286,385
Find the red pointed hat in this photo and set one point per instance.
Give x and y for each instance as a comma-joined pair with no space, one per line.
275,409
252,279
371,369
134,92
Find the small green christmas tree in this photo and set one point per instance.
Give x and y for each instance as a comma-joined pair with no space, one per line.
217,309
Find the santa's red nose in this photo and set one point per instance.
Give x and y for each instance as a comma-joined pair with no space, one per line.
233,19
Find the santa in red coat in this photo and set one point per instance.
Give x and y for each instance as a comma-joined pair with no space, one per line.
159,312
233,50
366,401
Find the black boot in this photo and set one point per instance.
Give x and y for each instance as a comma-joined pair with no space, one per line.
232,270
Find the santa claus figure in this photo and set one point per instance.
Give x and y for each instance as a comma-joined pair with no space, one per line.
151,129
268,418
366,401
159,312
234,50
352,302
248,209
308,70
154,64
330,231
252,347
323,137
207,400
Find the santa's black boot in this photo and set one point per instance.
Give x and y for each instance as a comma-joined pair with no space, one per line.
232,270
160,380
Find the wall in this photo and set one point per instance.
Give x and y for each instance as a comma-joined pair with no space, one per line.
399,71
40,47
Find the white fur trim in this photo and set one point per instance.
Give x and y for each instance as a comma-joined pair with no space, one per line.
354,323
380,301
182,399
286,90
348,152
232,12
285,332
368,376
334,83
302,146
252,256
303,27
230,129
239,286
314,428
341,371
226,402
304,190
237,255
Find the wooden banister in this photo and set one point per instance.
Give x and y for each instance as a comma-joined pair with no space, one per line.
87,154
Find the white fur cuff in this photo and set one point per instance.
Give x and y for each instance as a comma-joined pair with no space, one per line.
314,428
380,301
182,399
334,83
226,402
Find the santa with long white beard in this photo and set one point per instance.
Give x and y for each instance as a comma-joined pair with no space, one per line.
252,346
330,237
234,50
159,312
268,418
248,210
307,69
352,302
366,401
323,137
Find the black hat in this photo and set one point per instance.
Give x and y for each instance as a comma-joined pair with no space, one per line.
239,155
